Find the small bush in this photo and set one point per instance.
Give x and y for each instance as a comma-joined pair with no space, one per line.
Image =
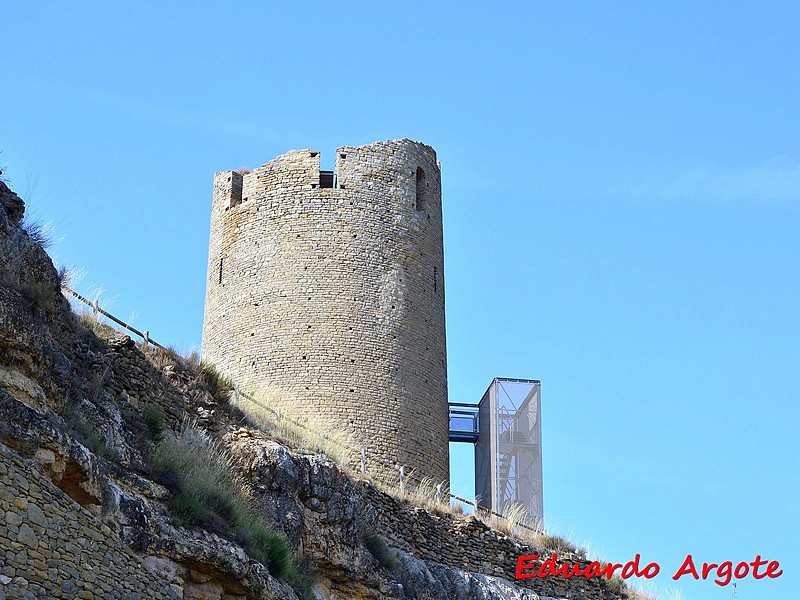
162,357
171,357
270,549
185,508
63,276
615,584
207,491
145,428
378,547
457,508
41,294
86,433
192,465
517,523
192,361
424,492
300,576
560,545
67,276
94,326
173,354
154,421
217,384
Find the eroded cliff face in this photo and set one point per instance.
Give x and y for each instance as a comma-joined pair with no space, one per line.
84,517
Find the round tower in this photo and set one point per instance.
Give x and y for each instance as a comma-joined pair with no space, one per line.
326,289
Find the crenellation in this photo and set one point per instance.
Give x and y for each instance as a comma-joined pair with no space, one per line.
228,189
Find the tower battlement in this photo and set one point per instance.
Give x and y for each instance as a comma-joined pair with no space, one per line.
326,289
300,170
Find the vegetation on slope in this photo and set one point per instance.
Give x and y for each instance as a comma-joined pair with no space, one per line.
207,492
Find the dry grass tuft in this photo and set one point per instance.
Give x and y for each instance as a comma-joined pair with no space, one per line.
40,233
305,434
96,326
218,385
517,523
208,491
422,492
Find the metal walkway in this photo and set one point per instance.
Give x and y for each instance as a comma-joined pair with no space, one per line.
463,422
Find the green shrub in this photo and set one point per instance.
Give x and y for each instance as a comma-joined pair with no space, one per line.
217,384
86,433
154,421
615,584
378,547
300,576
41,294
206,491
192,465
270,549
187,509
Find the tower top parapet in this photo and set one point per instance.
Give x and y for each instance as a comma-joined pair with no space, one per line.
300,170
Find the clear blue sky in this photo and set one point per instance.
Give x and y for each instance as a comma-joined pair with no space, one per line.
622,217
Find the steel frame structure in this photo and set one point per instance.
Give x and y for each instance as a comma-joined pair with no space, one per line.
508,451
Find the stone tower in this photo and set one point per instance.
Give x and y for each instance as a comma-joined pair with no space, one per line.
327,289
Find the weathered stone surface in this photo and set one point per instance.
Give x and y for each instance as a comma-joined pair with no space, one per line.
331,300
12,204
31,362
24,388
79,532
323,511
81,518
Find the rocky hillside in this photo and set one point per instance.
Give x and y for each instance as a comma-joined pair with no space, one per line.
126,473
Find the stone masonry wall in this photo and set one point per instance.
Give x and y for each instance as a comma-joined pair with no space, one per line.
330,301
469,544
50,547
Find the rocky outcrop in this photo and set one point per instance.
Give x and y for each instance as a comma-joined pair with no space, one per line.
30,307
50,547
82,408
